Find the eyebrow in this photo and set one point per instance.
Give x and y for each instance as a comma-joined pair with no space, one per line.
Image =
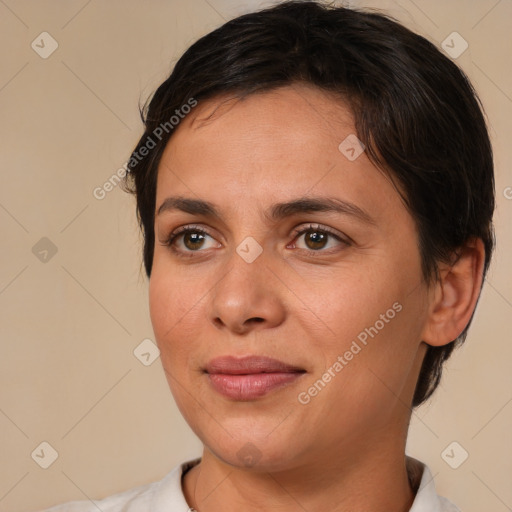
276,212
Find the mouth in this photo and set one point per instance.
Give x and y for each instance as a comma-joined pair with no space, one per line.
249,365
250,377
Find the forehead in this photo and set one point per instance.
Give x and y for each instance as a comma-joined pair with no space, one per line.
295,101
281,119
278,144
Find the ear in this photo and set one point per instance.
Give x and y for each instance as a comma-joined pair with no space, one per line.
455,295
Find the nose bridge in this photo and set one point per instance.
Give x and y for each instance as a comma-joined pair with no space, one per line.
246,296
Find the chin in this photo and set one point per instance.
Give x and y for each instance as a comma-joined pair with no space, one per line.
253,453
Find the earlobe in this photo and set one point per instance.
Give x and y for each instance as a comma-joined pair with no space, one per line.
455,295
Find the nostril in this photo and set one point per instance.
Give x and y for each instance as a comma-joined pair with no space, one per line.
218,322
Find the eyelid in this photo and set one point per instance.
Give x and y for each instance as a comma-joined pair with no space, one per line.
194,228
188,227
300,230
342,241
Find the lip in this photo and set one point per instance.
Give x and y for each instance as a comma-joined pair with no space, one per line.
250,377
249,365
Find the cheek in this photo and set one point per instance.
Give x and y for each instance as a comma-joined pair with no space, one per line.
346,303
161,304
372,319
175,307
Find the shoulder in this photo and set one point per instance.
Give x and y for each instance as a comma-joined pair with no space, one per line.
152,497
447,506
121,502
426,498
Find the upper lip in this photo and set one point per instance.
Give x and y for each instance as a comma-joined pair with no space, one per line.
249,365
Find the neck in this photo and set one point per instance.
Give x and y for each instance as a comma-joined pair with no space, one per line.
376,480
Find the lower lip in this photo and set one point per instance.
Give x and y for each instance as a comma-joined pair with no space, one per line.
249,387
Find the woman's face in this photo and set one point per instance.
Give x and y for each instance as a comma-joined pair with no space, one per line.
335,293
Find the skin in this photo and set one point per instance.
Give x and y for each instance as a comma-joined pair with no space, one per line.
344,450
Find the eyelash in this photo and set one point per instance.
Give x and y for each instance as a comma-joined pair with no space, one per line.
316,228
169,242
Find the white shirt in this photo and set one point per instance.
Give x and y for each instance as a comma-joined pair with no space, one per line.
166,495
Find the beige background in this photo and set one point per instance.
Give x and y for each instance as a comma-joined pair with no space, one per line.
69,326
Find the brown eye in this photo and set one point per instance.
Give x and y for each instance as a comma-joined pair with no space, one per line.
193,240
315,239
187,240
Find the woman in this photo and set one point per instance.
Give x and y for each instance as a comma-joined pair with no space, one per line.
315,189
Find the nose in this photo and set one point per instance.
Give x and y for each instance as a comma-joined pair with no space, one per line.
248,297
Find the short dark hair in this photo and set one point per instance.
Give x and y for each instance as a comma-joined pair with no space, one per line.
415,111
